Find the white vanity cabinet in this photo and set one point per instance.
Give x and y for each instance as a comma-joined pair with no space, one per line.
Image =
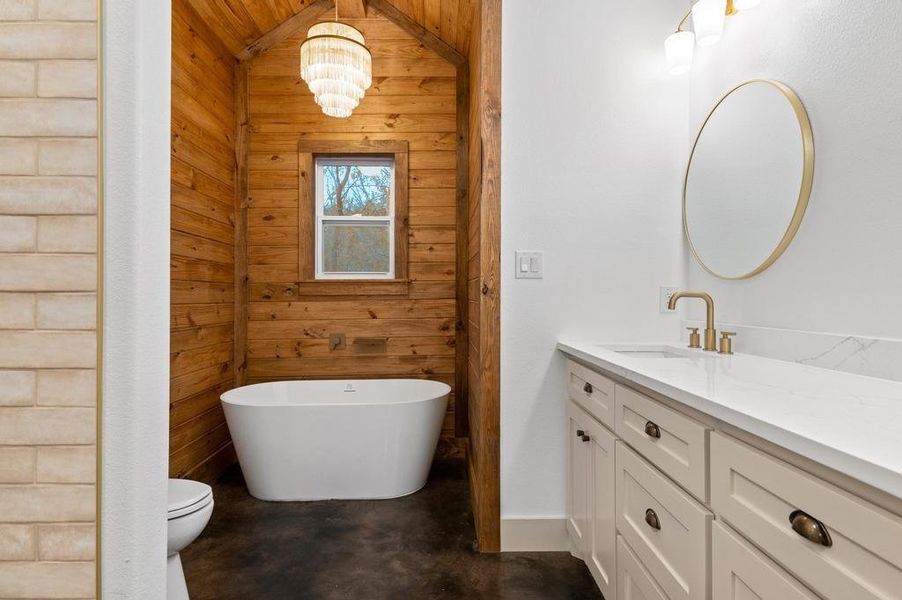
739,571
590,496
856,550
601,552
577,479
665,527
671,505
675,443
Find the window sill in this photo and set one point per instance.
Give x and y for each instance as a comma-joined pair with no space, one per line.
336,287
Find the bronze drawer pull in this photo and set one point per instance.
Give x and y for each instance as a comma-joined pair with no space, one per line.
810,528
580,433
586,438
651,517
587,388
652,430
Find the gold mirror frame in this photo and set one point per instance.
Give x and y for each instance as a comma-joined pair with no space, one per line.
804,191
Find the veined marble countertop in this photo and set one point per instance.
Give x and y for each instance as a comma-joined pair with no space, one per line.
850,423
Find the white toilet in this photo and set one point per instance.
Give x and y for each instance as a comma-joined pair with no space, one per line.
190,507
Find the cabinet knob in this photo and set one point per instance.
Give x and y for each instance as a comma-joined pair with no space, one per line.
588,388
580,433
652,430
810,528
586,438
651,517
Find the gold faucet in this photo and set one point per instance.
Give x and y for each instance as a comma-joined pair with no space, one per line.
710,332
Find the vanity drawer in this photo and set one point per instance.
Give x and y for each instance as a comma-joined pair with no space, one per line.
757,493
739,571
675,443
592,391
634,582
666,528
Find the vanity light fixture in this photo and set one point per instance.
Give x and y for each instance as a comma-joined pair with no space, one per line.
337,66
707,21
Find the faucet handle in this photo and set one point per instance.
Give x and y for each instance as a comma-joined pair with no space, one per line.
695,340
726,342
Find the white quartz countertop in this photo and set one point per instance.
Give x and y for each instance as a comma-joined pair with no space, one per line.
850,423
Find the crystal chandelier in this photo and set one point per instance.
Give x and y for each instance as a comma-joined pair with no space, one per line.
337,67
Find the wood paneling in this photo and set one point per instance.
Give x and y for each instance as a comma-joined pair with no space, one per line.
248,27
350,8
242,167
433,59
483,251
290,321
305,213
203,246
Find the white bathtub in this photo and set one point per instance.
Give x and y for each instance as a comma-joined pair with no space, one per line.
318,440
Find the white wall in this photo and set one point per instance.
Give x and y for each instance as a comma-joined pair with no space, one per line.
593,148
136,56
843,272
595,140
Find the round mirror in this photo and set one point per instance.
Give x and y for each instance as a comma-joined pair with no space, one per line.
748,180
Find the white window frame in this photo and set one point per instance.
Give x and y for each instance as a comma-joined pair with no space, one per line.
322,219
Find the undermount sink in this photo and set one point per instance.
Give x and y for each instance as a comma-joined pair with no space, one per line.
650,353
653,351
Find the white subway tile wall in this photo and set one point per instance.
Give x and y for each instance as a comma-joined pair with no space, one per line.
48,296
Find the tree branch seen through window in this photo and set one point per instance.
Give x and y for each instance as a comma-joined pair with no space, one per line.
355,220
354,190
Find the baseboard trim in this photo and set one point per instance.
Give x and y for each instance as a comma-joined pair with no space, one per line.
534,535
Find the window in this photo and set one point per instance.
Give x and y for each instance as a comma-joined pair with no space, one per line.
355,218
353,229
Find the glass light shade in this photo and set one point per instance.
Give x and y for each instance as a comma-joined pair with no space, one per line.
678,50
707,20
337,67
745,4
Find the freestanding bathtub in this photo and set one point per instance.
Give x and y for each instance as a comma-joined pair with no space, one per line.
318,440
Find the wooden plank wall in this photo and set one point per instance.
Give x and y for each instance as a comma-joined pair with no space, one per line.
412,99
483,250
203,251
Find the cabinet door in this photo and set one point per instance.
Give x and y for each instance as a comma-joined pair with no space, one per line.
634,582
741,572
577,478
602,542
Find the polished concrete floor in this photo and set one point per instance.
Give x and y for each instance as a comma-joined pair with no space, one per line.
419,546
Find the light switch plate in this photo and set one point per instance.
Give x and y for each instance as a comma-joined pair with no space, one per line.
528,265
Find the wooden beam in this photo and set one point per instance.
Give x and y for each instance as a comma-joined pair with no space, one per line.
461,369
489,460
425,37
242,140
299,22
351,9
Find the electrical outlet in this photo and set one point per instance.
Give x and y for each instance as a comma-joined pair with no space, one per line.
665,293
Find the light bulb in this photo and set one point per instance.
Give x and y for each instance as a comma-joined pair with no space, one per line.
707,20
745,4
678,50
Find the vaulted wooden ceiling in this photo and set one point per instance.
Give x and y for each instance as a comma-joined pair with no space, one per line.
238,23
